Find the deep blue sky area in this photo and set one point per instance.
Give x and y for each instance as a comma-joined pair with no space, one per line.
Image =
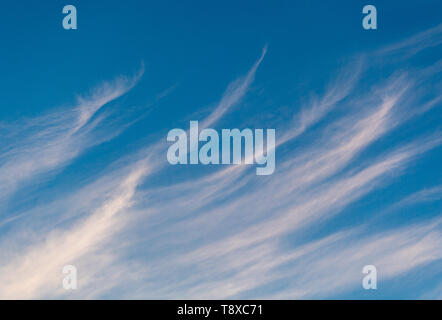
185,43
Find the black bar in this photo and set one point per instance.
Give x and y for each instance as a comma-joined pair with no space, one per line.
219,309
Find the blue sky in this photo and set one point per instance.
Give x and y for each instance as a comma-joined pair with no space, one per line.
85,180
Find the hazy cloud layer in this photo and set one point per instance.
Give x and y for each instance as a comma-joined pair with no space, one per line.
225,232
